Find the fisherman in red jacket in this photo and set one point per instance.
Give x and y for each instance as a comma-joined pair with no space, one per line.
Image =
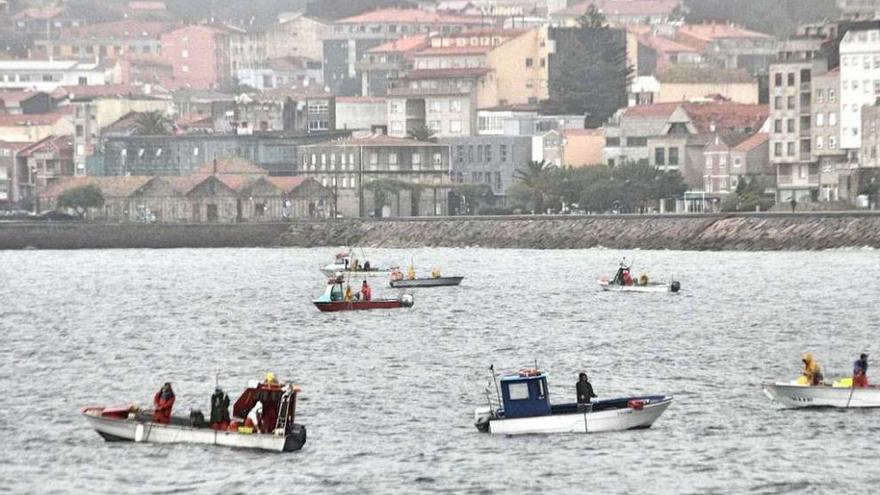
366,292
163,401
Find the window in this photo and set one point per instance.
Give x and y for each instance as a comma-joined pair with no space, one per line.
435,125
790,104
820,142
777,149
529,62
777,126
395,107
614,141
737,163
832,96
820,119
455,127
488,153
435,106
637,141
454,105
832,142
498,175
855,84
777,80
503,148
791,78
789,125
832,119
673,156
397,127
438,160
184,53
777,103
659,156
518,391
820,95
789,149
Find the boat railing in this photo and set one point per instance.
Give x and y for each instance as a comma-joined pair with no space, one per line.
492,400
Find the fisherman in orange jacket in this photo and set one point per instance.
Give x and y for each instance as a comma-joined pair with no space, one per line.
366,292
163,401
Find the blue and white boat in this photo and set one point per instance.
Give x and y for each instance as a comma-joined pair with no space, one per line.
525,408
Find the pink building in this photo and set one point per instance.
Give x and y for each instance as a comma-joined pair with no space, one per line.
198,55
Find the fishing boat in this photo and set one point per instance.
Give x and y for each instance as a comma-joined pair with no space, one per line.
132,424
333,299
624,282
796,395
524,407
412,281
347,264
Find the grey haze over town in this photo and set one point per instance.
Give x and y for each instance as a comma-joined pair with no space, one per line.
455,246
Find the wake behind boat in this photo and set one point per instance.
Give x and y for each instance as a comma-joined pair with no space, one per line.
525,408
276,432
624,282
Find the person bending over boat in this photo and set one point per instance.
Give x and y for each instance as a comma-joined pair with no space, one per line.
584,392
163,401
860,371
255,417
366,292
812,370
219,409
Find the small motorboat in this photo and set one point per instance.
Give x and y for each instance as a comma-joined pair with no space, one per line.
345,263
525,409
412,281
132,424
798,395
624,282
333,299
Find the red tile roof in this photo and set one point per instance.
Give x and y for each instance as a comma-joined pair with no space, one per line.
709,32
453,50
10,97
287,184
109,186
665,44
621,7
689,74
753,142
655,110
448,73
360,99
61,145
141,5
401,45
410,16
725,116
231,165
40,13
35,119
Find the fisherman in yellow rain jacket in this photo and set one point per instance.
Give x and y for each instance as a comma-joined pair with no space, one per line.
812,374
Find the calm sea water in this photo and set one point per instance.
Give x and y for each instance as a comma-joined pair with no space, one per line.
388,397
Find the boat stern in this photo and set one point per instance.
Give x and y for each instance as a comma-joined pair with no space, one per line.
295,439
482,416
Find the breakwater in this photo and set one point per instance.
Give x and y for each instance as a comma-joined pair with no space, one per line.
760,231
770,231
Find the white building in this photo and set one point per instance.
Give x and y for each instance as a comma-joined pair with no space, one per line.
859,82
47,75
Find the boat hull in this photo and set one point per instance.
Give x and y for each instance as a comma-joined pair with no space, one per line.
334,306
582,422
332,271
426,282
134,430
609,287
802,396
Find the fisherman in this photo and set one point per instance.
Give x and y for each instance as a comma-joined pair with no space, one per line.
812,370
270,380
219,409
860,371
367,266
355,266
163,401
435,272
584,392
411,273
366,292
349,295
255,417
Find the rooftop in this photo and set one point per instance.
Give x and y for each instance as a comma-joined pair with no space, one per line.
710,32
35,119
753,142
360,99
14,97
665,44
454,50
39,13
621,7
448,73
232,165
109,186
102,91
410,16
378,140
57,144
401,45
126,29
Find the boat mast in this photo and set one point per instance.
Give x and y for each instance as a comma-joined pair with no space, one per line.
495,380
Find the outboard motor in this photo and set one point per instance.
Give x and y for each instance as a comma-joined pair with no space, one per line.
407,300
675,286
481,418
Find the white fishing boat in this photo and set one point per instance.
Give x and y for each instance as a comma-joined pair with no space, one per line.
624,282
412,283
350,267
525,409
132,424
794,395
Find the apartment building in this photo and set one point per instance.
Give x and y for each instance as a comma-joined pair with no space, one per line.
859,9
729,46
199,55
859,84
834,170
47,75
105,40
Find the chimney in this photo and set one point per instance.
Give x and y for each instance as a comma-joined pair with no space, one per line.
215,166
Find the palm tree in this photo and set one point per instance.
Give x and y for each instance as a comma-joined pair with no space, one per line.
422,133
534,178
153,123
592,19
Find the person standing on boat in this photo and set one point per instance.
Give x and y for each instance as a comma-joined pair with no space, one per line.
860,371
366,292
367,265
584,392
219,409
163,401
255,417
349,295
812,370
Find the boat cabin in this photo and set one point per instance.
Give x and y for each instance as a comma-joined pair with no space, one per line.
279,401
334,291
525,394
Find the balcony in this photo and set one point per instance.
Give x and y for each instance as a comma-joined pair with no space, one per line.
806,156
444,91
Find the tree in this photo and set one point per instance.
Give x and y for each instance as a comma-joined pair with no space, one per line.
592,19
422,133
152,123
534,179
780,17
473,195
80,199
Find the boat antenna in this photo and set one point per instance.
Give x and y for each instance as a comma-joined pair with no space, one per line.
536,364
494,379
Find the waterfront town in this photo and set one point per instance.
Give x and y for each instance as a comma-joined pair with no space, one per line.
141,111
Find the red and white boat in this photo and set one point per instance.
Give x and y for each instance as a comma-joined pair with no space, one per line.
333,299
281,434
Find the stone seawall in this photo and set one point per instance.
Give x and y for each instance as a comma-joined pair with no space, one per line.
74,235
687,232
